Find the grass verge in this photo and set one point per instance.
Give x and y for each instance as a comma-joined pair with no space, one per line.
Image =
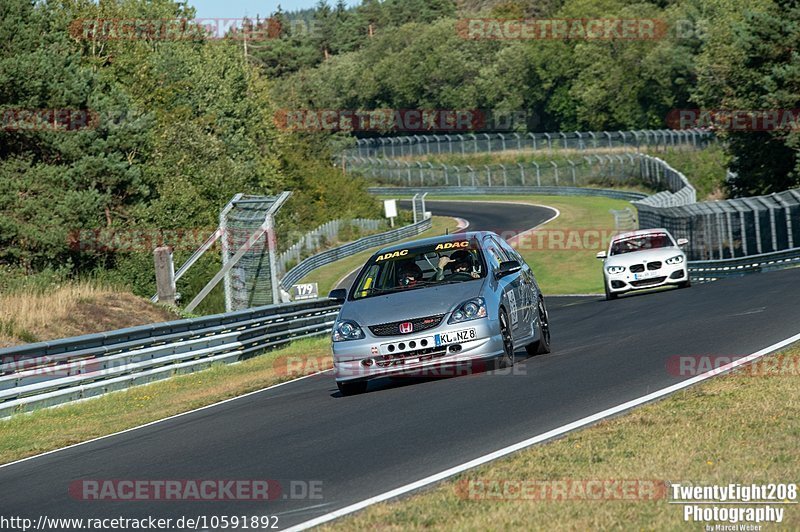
739,428
44,430
329,275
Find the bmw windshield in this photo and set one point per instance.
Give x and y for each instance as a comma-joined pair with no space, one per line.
417,267
641,243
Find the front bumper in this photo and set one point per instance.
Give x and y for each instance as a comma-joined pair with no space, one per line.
626,281
369,358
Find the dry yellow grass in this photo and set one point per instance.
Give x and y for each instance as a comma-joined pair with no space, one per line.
72,309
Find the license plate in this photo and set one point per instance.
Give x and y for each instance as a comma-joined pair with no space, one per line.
456,337
645,275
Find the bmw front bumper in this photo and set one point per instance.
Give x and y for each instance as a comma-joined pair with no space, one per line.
417,354
626,281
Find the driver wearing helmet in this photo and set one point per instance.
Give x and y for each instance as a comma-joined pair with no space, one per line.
460,261
408,274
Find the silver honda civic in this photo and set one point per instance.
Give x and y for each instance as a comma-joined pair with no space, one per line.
438,302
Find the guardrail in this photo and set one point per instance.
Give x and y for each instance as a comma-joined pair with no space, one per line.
312,241
50,373
713,270
334,254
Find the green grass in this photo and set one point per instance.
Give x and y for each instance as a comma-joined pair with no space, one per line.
737,428
44,430
329,275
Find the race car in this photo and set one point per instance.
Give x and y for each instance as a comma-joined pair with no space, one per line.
644,259
433,303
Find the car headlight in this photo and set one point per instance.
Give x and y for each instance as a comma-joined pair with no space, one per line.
678,259
469,310
615,269
347,330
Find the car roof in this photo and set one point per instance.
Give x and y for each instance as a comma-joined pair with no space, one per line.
640,232
453,237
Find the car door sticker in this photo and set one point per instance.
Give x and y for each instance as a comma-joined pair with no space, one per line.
512,302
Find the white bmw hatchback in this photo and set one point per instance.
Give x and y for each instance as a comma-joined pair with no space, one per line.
644,259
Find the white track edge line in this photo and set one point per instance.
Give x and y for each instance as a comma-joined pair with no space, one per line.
540,438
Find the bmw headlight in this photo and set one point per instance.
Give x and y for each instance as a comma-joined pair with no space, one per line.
347,330
615,269
678,259
469,310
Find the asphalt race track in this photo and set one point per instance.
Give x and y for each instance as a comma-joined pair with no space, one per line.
604,354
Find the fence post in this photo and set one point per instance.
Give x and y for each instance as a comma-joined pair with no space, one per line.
165,275
556,170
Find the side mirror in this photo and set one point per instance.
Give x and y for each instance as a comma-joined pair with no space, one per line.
508,267
602,255
339,295
683,242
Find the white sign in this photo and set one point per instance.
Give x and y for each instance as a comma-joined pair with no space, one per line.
305,291
390,206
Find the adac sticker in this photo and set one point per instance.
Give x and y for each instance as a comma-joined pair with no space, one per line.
392,255
452,245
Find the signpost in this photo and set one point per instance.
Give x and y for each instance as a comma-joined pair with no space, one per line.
301,292
390,207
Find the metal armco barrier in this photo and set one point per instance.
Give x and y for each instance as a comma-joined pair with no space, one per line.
332,255
713,270
49,373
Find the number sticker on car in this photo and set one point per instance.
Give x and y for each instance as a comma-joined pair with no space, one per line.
455,337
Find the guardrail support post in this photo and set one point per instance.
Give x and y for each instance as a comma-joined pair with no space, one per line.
165,275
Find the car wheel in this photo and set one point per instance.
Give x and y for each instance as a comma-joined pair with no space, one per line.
542,345
352,388
685,284
507,358
609,295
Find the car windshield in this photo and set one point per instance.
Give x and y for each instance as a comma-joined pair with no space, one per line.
455,261
641,243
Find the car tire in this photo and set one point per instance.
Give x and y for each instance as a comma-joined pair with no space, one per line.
506,360
542,345
352,388
609,294
685,284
